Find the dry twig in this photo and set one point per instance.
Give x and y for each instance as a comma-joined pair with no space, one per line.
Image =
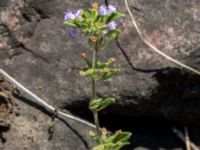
42,102
153,47
187,138
182,137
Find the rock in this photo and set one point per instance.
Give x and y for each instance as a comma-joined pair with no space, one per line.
36,50
29,126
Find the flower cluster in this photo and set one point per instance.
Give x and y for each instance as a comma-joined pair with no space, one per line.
99,26
106,10
70,16
103,11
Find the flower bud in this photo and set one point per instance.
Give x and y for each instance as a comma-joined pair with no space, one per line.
84,55
119,143
104,130
119,131
91,133
93,38
94,5
112,60
82,73
106,70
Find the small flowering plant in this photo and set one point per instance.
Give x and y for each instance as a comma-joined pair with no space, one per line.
100,26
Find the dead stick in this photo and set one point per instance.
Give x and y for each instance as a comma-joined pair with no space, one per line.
187,138
155,49
42,102
182,137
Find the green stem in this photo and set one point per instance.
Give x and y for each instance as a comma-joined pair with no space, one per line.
96,120
94,60
94,96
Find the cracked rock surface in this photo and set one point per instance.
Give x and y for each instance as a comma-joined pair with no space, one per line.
25,125
36,50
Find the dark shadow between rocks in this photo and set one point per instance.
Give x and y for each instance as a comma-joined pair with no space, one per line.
177,95
148,132
3,128
180,92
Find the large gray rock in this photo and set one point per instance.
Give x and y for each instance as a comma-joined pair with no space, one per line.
26,125
36,50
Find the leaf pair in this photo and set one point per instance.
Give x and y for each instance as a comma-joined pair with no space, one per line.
102,71
100,103
99,74
90,22
114,142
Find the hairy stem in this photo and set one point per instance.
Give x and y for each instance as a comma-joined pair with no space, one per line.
94,60
96,120
95,113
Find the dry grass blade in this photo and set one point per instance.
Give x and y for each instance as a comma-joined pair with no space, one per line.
156,49
187,138
182,138
42,102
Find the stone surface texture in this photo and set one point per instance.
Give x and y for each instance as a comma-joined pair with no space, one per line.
36,50
25,125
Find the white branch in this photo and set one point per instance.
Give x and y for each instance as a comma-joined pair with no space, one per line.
182,137
42,102
187,138
153,47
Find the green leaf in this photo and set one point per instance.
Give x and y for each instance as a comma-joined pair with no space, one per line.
89,63
95,103
108,75
114,16
99,103
91,72
122,137
106,102
99,147
95,15
70,23
114,34
104,19
99,73
119,137
122,145
85,25
114,142
78,24
96,139
86,14
101,65
104,136
105,146
110,37
110,146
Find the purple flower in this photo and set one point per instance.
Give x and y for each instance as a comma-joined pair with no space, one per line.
112,25
103,10
69,15
111,9
73,33
77,13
